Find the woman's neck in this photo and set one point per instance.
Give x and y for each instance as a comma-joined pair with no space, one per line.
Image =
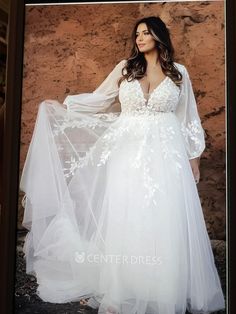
152,59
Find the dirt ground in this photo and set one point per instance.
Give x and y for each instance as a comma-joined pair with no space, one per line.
27,301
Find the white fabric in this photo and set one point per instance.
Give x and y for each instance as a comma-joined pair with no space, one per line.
112,205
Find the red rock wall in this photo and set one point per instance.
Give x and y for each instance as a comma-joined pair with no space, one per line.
71,48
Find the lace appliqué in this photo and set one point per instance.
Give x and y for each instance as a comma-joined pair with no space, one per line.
91,122
144,159
192,132
76,162
109,143
149,182
167,135
151,185
164,98
80,159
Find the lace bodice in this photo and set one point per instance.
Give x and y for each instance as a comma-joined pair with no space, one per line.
164,98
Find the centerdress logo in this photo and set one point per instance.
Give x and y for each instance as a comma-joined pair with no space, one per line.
82,257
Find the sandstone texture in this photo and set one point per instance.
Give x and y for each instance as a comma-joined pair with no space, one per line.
69,49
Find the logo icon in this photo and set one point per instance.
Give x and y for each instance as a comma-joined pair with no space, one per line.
79,257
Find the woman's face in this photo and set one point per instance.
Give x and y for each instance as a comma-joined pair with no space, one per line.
144,39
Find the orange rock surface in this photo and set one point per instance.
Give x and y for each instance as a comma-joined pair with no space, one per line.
69,49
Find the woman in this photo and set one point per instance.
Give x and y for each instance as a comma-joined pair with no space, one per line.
111,199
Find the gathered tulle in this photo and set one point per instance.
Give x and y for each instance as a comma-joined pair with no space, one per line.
113,211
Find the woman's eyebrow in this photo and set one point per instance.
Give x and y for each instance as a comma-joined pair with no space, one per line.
146,30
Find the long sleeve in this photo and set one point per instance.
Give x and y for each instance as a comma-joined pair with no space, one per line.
188,116
101,98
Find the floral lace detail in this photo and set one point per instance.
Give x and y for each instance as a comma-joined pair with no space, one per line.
146,154
164,98
77,162
74,120
109,143
151,185
74,164
167,135
191,132
92,121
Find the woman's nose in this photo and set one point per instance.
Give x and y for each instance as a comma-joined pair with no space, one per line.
140,37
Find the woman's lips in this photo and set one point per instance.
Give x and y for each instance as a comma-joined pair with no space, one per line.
141,45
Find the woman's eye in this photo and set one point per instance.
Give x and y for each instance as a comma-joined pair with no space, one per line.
146,33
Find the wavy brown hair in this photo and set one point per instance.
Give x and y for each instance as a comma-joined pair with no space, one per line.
136,64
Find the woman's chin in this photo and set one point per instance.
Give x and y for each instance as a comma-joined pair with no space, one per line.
142,50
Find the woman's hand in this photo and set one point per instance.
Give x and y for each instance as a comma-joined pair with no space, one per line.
195,168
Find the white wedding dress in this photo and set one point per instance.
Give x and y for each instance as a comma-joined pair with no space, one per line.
111,203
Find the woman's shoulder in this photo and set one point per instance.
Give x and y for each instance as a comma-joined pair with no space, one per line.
119,67
122,63
180,67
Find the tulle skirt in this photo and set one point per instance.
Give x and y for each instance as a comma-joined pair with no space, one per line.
113,211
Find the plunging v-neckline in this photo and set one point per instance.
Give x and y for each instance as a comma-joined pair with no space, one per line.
150,94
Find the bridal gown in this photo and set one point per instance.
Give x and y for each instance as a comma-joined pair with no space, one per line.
111,204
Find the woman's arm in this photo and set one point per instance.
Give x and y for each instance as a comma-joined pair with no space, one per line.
101,98
192,130
195,162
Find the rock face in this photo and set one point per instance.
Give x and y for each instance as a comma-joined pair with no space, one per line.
70,49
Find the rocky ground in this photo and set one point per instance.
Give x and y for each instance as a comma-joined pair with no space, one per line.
27,301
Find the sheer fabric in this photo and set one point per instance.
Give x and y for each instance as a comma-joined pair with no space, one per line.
111,205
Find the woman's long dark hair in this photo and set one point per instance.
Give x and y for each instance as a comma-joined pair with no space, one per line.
136,64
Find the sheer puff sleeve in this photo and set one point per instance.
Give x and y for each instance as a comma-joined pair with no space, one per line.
187,113
101,98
